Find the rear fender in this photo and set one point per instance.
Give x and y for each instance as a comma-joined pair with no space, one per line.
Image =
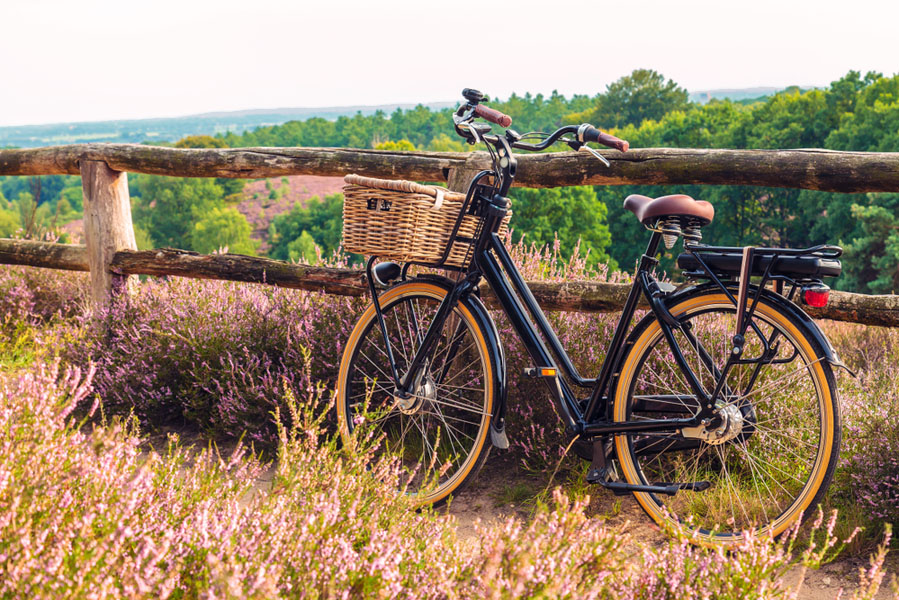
789,307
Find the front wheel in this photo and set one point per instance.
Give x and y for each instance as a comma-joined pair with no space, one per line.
771,451
440,432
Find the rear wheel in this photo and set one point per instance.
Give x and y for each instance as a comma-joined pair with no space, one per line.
769,454
440,432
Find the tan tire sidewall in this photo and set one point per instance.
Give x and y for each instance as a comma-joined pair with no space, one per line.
825,449
436,292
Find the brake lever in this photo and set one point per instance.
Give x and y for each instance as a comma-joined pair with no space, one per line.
596,154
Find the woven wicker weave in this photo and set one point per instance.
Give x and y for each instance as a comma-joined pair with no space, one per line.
404,221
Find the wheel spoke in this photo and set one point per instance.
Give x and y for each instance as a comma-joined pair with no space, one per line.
439,429
759,466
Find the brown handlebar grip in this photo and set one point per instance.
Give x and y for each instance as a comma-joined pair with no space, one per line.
611,141
592,134
492,115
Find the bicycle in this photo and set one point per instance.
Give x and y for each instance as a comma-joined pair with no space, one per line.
718,410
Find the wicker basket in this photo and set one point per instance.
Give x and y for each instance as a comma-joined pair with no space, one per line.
405,221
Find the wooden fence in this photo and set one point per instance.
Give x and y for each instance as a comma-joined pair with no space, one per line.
111,256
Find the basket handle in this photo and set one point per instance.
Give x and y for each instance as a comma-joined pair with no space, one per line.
398,185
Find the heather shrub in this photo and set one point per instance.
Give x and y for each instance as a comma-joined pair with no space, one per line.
215,355
91,513
868,479
33,302
39,295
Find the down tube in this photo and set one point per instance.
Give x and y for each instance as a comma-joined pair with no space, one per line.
499,283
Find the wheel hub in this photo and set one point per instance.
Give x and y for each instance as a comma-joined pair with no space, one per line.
423,393
727,424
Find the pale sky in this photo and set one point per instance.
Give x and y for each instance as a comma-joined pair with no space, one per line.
66,60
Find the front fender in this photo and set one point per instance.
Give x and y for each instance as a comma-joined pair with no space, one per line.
497,357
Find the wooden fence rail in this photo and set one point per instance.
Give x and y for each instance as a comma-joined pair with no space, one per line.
111,256
580,296
808,169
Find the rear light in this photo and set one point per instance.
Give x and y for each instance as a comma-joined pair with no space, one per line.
816,296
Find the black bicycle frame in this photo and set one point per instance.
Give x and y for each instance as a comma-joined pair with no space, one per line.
491,261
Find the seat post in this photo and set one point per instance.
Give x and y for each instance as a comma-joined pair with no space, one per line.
649,257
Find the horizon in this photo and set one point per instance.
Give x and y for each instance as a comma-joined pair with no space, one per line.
182,59
367,107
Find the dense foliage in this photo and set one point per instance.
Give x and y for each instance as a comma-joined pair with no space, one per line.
218,357
854,113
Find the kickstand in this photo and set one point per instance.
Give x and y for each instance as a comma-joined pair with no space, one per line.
599,467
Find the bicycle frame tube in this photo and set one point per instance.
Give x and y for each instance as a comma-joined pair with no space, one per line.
492,261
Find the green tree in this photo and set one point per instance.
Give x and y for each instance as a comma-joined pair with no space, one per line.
9,220
403,145
302,249
322,220
169,207
200,141
444,143
223,228
874,253
641,96
569,214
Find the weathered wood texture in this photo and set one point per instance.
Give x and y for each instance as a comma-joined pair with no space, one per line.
812,169
236,267
107,226
67,257
580,296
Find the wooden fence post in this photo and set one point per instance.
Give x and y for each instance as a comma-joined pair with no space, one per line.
107,226
458,179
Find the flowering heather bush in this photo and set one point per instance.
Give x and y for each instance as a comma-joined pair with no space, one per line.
869,474
35,295
217,355
88,514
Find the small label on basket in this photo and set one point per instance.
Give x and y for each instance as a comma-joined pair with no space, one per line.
378,204
439,201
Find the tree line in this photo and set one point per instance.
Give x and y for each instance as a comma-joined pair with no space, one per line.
855,112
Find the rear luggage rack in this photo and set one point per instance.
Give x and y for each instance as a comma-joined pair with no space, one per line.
796,263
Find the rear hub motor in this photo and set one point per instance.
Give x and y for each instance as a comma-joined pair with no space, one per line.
726,425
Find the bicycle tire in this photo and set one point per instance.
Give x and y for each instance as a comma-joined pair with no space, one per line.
457,415
753,462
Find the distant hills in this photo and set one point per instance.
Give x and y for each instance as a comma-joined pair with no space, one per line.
175,128
740,94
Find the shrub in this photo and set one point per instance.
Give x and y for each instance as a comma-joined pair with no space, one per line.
868,479
216,355
92,514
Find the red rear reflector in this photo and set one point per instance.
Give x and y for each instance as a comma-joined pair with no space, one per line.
816,297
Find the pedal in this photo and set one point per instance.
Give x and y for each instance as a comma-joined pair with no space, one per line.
620,488
534,372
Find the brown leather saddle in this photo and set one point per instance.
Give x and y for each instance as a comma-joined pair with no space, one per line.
648,210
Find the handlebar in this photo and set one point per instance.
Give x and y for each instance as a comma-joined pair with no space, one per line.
492,115
473,108
589,133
